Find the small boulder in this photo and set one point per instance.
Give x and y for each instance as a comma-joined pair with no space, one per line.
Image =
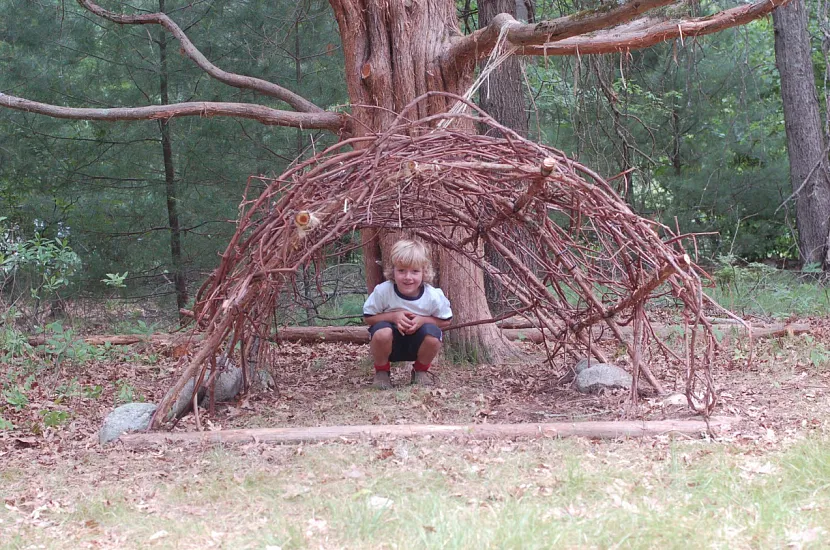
602,376
126,418
184,402
583,364
228,384
675,399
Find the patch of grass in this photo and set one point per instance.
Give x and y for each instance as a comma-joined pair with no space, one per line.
423,494
343,310
759,289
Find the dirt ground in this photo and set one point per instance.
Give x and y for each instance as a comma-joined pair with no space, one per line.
781,395
785,388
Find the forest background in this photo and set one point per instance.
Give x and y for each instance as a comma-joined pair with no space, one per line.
140,211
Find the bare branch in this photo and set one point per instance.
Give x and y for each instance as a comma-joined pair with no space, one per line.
321,120
648,31
480,43
231,79
569,35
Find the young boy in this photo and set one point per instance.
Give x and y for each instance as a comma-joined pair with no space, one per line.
406,315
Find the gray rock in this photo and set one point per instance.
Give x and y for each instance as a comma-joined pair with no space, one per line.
602,376
228,384
583,364
183,403
126,418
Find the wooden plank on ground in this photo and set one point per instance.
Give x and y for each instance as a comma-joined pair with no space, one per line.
597,430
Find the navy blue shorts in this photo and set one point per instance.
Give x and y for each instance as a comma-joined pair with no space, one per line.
405,346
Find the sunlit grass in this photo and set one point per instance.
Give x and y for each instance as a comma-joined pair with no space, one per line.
758,289
425,494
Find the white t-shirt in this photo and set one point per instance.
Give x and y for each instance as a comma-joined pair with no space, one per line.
431,301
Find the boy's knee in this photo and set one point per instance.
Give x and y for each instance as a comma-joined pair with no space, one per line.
381,332
431,342
431,330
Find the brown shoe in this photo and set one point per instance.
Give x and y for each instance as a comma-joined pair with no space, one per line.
382,380
422,378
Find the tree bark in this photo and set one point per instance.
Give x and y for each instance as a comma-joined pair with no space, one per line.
398,58
171,187
503,95
809,170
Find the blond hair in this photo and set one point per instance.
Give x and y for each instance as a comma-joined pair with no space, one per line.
411,254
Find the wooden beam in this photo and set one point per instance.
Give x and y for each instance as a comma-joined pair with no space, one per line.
598,430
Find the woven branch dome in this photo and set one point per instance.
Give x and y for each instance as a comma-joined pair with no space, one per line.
569,252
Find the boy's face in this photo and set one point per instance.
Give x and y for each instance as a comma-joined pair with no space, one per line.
408,280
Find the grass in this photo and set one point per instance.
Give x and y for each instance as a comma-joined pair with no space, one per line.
429,494
759,289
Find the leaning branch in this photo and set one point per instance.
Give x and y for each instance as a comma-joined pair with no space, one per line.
273,117
189,49
649,31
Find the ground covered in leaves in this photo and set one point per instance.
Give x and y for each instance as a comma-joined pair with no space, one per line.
60,488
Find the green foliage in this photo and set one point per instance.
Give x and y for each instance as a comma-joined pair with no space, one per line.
63,346
761,289
93,392
53,419
139,326
5,424
13,342
819,354
16,397
72,390
38,267
701,125
115,280
126,392
102,185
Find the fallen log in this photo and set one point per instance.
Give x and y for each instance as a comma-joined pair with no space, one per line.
119,339
596,430
360,335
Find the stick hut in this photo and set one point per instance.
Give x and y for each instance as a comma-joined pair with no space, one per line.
569,252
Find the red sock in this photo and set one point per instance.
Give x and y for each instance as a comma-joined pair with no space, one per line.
421,367
385,368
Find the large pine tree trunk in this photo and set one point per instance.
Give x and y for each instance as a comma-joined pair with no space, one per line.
805,142
503,98
503,95
392,55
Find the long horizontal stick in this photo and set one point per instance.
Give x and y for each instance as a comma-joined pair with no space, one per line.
360,335
600,429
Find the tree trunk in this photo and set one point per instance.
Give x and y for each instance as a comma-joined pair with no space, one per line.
808,158
502,96
394,58
171,191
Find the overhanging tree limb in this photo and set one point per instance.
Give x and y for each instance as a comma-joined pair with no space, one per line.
569,35
319,120
648,31
480,43
189,49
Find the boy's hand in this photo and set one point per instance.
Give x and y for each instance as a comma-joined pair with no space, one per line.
403,320
415,322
